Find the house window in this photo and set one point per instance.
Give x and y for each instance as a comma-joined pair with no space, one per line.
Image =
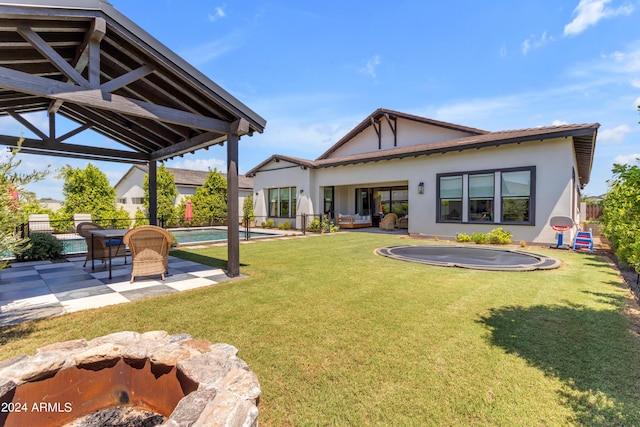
481,193
282,202
450,189
122,200
516,196
477,194
136,200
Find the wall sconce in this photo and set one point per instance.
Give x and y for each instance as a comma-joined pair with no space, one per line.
257,194
301,191
421,188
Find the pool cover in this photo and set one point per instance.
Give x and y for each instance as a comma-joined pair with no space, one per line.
479,258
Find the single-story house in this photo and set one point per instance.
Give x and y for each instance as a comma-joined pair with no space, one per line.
130,190
440,178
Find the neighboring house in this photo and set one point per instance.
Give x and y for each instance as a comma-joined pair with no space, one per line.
130,190
444,178
54,205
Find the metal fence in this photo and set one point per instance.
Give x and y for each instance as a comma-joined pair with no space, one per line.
250,228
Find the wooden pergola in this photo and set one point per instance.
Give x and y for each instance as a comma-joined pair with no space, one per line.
85,61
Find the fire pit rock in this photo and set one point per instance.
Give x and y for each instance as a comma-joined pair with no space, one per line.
182,380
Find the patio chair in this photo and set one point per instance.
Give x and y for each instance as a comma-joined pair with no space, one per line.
80,217
388,222
149,246
101,249
39,223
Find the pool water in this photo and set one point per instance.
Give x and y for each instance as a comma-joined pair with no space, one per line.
183,236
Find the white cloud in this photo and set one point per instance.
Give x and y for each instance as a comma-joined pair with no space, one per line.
614,135
635,83
200,164
372,65
503,51
629,159
219,13
558,123
534,42
590,12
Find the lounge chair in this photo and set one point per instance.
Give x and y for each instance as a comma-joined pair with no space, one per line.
388,222
98,248
39,223
149,247
78,218
403,222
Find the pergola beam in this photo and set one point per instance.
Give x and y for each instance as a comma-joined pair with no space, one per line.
51,147
96,98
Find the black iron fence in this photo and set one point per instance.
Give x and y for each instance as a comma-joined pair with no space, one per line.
195,230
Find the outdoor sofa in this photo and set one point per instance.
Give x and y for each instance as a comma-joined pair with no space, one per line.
354,221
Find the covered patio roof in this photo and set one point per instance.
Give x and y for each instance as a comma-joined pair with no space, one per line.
85,61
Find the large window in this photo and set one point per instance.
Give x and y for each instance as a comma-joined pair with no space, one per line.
481,195
516,196
282,202
450,198
382,200
496,196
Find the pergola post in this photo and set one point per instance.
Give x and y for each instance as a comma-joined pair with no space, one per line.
233,209
153,193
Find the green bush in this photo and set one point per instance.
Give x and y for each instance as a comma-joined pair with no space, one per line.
480,238
43,246
499,236
314,226
463,238
268,223
284,226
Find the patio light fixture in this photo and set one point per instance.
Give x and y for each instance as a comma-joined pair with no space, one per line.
421,188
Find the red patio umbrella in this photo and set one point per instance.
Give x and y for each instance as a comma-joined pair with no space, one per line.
188,212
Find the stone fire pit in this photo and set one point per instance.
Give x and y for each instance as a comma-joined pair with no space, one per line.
129,379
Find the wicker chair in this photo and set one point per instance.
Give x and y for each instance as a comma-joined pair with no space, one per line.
149,246
101,247
388,222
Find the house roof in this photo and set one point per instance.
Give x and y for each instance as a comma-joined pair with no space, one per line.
381,113
87,62
280,157
191,178
584,139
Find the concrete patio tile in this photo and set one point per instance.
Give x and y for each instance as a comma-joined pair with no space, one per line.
71,306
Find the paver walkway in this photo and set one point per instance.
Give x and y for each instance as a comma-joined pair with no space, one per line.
43,289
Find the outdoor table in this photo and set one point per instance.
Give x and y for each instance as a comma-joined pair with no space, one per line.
107,234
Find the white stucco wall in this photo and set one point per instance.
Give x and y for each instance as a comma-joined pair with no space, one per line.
277,175
409,133
130,188
553,160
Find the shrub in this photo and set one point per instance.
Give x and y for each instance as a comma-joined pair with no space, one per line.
499,236
463,238
43,246
480,238
284,226
314,226
268,223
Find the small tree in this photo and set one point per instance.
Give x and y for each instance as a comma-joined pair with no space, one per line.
11,183
87,191
210,201
167,194
247,209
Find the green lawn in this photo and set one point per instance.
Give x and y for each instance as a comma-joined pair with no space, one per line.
341,336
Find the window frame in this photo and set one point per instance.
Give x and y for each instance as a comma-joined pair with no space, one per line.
498,198
291,202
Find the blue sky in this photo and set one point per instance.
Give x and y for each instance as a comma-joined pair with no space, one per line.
314,70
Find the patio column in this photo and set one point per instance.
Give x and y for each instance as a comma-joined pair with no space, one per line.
153,193
233,210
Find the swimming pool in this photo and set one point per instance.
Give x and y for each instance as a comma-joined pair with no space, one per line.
202,235
184,236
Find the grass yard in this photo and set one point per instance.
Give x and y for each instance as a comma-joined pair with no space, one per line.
340,336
